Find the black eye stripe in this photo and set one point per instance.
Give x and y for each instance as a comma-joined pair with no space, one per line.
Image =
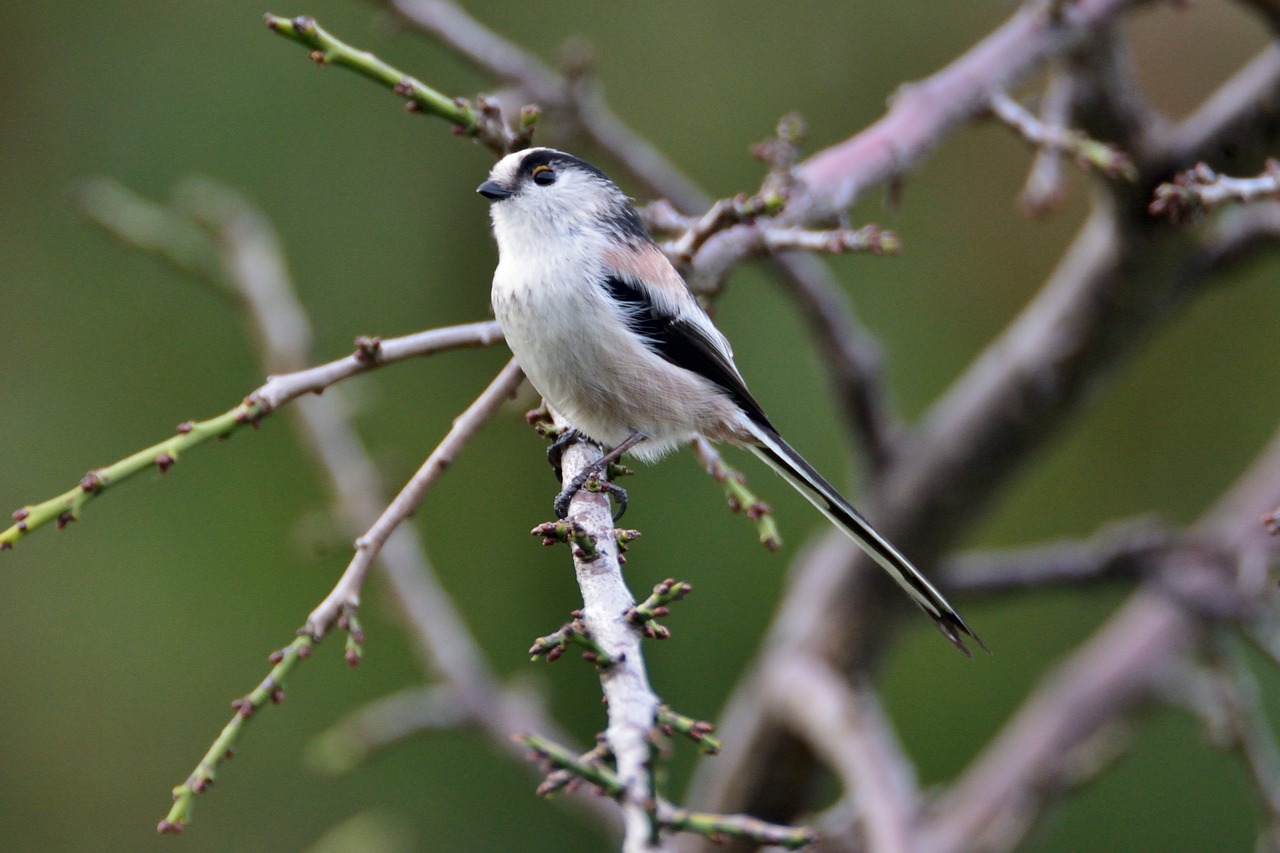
558,161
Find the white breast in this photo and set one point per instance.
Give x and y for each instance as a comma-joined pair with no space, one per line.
576,350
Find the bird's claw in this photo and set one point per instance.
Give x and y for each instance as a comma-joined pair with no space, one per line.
613,490
619,496
561,504
555,454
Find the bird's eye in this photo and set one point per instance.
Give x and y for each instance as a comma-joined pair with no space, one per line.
544,176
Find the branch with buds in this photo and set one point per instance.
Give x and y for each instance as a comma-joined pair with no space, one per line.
1102,156
564,768
277,391
1201,189
483,120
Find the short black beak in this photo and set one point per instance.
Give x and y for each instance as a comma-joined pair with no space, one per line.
493,191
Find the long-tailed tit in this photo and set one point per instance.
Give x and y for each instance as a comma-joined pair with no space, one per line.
611,336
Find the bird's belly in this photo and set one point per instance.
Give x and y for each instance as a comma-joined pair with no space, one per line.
607,386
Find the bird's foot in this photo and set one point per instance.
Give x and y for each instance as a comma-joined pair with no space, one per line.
585,479
555,453
602,464
619,496
589,477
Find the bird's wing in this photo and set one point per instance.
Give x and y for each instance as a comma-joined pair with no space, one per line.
688,342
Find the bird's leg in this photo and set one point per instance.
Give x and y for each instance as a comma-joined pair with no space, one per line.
602,464
555,453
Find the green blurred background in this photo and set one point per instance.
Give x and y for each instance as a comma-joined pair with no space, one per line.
128,634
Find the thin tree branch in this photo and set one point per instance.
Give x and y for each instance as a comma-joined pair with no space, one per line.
371,353
1046,188
1201,189
1106,158
718,828
714,827
579,101
277,391
631,702
345,596
1234,123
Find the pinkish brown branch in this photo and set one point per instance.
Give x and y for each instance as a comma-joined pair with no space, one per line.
923,114
1123,666
1046,188
847,728
1117,282
1123,551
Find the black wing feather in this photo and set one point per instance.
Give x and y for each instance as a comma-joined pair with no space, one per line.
682,343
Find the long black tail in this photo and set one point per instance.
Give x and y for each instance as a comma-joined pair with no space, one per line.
784,459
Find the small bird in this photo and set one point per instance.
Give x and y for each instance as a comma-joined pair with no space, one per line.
611,336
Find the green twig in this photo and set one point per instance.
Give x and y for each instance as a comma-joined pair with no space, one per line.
279,390
624,538
1105,158
719,828
571,533
355,635
568,779
698,731
577,633
656,604
483,120
270,690
66,507
328,50
589,768
740,498
646,613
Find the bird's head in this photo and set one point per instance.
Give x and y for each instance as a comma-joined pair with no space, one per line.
541,193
